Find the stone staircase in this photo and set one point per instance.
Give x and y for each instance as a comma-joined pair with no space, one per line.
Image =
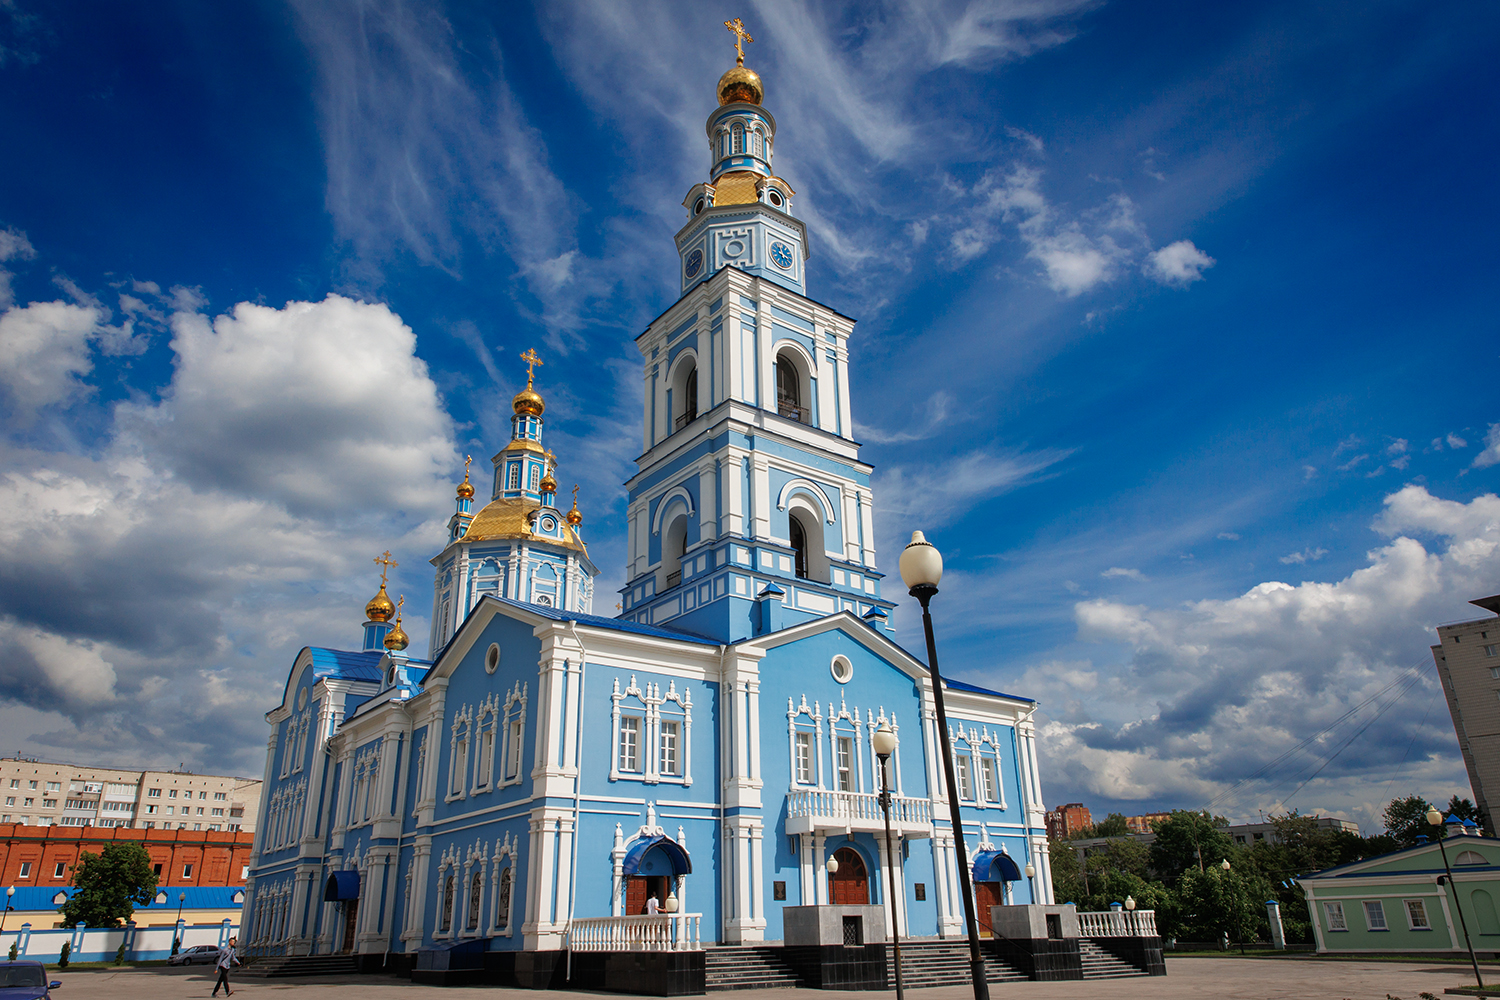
281,966
1100,964
747,967
944,963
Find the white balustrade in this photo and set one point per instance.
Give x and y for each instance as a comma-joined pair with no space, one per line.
863,807
1118,923
641,932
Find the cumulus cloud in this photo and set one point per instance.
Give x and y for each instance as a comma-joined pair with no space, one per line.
1206,692
1179,263
44,353
155,592
1491,453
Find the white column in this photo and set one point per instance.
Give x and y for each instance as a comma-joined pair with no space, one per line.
760,486
733,521
827,391
887,890
752,720
843,389
707,503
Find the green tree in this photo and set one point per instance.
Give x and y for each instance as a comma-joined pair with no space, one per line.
109,885
1406,819
62,956
1218,901
1463,809
1113,825
1188,840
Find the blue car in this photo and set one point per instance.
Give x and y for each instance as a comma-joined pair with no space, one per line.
25,981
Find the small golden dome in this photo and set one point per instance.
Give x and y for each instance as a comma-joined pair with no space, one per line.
548,484
740,85
527,401
465,488
380,607
573,517
396,639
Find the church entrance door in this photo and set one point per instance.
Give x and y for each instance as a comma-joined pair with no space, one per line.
351,916
639,888
986,895
850,885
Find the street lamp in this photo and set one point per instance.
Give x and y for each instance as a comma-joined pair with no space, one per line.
921,569
10,894
1031,880
884,742
1224,864
1435,818
177,941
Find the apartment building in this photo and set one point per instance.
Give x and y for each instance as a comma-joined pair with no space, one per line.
41,793
1467,657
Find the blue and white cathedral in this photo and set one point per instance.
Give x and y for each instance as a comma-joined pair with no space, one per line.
547,771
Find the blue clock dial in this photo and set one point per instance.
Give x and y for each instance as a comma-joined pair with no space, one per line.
781,254
694,263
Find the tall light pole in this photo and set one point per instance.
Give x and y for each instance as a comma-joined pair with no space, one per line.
921,569
10,894
1435,818
885,745
177,941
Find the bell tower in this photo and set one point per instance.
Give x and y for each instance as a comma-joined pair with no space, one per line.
750,489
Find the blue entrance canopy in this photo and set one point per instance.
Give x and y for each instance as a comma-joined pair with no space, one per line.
995,866
681,863
341,886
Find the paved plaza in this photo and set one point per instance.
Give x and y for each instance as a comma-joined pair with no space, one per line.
1186,979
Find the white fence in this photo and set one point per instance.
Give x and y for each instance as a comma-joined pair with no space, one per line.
1118,923
859,810
99,944
662,932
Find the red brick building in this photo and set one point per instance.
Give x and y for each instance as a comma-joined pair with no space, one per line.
1064,821
44,856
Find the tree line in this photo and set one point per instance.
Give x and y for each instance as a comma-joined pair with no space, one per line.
1182,876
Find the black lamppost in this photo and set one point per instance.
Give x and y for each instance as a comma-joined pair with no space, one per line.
1435,818
177,940
885,744
10,894
921,569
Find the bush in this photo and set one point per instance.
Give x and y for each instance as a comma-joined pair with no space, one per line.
120,954
15,949
62,956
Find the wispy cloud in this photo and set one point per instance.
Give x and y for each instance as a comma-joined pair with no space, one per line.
1305,556
1491,453
1115,572
1179,264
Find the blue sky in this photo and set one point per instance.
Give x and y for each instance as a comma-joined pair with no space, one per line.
1176,335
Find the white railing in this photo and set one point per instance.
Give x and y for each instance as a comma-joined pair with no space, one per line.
1118,923
863,807
662,932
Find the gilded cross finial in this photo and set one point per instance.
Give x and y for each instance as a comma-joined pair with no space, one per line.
385,562
400,603
467,459
575,494
531,359
740,37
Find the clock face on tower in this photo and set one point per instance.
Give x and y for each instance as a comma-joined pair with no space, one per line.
782,255
694,263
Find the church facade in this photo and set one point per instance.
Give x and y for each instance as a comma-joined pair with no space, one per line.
709,750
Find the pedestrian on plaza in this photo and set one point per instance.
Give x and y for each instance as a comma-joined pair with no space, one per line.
227,957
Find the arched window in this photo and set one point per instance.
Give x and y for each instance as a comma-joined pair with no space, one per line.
448,888
515,475
476,889
690,395
673,548
684,394
789,390
739,138
502,901
799,545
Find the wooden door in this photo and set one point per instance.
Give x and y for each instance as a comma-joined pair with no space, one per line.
638,888
850,885
986,895
351,915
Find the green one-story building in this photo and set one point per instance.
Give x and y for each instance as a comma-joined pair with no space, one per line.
1401,902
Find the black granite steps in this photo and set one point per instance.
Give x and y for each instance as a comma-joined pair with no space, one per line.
944,963
1100,964
747,967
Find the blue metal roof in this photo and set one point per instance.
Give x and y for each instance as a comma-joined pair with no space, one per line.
1456,843
362,666
995,866
614,624
671,850
341,886
208,897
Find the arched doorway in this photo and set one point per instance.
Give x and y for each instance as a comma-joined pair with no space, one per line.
850,885
653,868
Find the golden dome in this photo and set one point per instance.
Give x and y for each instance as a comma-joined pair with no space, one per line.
527,401
573,517
396,639
548,484
510,517
740,85
380,607
465,488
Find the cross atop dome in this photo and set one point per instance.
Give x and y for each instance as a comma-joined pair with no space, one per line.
740,37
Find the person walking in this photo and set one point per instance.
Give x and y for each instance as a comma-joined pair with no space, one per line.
227,957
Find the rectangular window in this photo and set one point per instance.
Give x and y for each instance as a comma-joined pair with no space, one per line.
157,870
1375,915
513,764
10,800
460,765
1495,672
54,786
15,782
220,796
1416,915
187,871
172,793
486,754
669,748
151,810
991,787
200,810
846,764
218,812
1335,914
58,869
171,810
515,475
630,743
965,784
31,784
30,802
1492,650
202,795
153,793
804,758
25,869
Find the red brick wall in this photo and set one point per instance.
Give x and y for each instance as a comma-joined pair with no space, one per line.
217,856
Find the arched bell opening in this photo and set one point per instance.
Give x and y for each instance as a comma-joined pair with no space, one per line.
684,392
793,387
805,533
673,547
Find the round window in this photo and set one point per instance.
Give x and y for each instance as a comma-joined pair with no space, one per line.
775,198
699,207
492,658
843,670
301,699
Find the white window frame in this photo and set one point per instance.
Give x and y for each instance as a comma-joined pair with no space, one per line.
1411,917
513,733
651,706
1334,916
628,745
1378,910
844,768
806,768
460,733
670,740
802,764
961,764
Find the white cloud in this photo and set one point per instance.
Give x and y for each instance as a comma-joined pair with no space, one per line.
1305,556
1208,691
1179,263
44,352
968,480
1309,471
1228,536
1491,453
1119,571
13,246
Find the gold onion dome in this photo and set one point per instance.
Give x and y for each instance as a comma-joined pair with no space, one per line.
573,516
527,401
548,485
396,639
466,488
380,608
740,85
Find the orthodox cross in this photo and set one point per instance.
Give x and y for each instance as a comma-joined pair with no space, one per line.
740,37
531,362
385,562
401,603
575,495
467,460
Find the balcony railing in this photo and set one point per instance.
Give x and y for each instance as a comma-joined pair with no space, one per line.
818,808
788,408
1118,923
674,578
662,932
